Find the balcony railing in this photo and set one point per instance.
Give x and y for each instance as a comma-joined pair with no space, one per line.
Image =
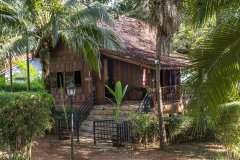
170,94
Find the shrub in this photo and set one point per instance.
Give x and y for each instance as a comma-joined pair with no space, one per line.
145,127
36,85
180,128
24,116
228,127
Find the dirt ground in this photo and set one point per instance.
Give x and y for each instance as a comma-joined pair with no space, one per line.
50,148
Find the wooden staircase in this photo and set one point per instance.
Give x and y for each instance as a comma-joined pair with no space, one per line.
104,112
79,116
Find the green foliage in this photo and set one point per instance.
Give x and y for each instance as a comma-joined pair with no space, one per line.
118,94
75,22
228,127
36,85
188,38
180,128
23,74
215,74
202,12
145,127
233,95
23,117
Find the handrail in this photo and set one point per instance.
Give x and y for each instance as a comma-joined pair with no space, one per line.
169,94
145,105
78,117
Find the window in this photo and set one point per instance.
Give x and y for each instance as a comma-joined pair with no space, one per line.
77,78
69,77
60,79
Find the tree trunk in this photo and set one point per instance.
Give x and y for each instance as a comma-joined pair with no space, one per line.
28,72
45,61
10,65
162,131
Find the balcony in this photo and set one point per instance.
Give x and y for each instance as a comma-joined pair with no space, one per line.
171,94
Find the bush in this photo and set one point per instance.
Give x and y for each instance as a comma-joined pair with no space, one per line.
36,85
228,127
24,116
180,129
145,127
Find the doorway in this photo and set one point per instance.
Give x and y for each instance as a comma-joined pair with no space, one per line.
109,81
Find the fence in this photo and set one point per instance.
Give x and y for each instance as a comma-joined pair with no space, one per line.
109,131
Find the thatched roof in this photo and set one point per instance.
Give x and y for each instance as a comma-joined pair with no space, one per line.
139,45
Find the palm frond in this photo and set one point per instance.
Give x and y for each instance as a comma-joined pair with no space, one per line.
201,11
91,14
82,45
7,14
86,40
103,37
216,71
17,45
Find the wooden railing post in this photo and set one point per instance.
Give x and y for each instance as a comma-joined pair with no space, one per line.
94,132
170,93
78,131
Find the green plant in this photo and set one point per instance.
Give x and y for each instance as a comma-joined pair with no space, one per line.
23,117
23,73
228,127
118,94
180,128
74,22
36,85
62,102
145,127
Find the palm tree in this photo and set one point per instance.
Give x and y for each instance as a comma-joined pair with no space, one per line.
163,18
41,24
215,70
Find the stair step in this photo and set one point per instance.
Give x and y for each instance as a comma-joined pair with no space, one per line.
103,117
86,129
123,108
87,123
86,134
109,112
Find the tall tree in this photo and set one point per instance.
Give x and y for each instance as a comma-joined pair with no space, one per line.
163,17
48,21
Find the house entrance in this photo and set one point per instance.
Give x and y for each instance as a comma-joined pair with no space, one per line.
109,78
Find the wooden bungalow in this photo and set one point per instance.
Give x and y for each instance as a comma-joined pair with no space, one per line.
134,65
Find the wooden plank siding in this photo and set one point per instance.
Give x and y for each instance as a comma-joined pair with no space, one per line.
129,74
64,61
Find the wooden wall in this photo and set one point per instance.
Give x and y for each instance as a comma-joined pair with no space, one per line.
66,62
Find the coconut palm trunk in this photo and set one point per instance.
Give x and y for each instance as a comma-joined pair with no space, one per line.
45,61
164,20
162,130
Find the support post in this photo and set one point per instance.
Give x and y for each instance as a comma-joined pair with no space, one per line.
28,72
71,97
78,132
94,136
11,77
